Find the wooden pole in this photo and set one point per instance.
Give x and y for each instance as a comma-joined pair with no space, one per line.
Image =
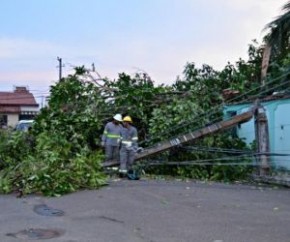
262,138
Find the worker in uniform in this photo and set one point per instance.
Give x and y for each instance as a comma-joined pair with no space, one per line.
129,145
111,138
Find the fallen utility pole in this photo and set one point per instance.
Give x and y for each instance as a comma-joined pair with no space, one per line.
183,139
191,136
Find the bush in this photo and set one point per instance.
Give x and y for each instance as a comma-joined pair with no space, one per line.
54,167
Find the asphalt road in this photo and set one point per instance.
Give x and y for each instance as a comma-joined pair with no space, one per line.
153,211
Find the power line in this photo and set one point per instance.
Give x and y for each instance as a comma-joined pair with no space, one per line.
216,150
203,164
220,106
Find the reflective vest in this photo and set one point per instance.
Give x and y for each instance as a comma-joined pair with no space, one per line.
129,136
112,134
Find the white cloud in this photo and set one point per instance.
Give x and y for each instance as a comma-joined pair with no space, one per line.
14,48
27,49
226,38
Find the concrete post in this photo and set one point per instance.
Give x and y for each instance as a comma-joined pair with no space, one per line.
262,138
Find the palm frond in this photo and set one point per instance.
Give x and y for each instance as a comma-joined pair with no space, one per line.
279,30
286,7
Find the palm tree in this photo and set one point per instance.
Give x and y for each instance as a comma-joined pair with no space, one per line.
277,41
279,34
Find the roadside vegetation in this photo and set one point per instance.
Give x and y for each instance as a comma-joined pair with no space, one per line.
62,153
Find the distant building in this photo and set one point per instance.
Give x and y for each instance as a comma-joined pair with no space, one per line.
17,105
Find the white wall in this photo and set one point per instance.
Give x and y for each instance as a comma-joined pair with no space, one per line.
12,119
29,109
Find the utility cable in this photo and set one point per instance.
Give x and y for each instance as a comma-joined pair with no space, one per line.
215,120
216,150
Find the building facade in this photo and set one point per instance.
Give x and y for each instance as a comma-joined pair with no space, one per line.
278,115
17,105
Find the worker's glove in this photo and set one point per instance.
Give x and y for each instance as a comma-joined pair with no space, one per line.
139,150
136,149
103,144
130,148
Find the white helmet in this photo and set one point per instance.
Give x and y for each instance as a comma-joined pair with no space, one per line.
118,117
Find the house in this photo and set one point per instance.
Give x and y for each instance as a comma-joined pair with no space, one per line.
277,110
17,105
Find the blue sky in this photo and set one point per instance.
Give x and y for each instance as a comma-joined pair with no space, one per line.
156,36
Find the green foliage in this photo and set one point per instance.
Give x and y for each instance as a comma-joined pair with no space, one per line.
244,76
168,120
211,164
278,34
136,96
54,168
62,153
277,38
187,112
13,147
75,112
217,168
138,90
203,88
203,85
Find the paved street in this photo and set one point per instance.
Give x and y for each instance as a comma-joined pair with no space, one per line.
154,211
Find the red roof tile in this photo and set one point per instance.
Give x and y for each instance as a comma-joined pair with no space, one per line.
21,96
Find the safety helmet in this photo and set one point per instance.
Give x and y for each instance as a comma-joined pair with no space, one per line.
127,119
118,117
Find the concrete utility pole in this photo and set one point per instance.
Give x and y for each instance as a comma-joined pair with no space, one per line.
262,137
191,136
60,67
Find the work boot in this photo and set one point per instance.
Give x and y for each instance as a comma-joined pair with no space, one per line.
133,175
122,173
